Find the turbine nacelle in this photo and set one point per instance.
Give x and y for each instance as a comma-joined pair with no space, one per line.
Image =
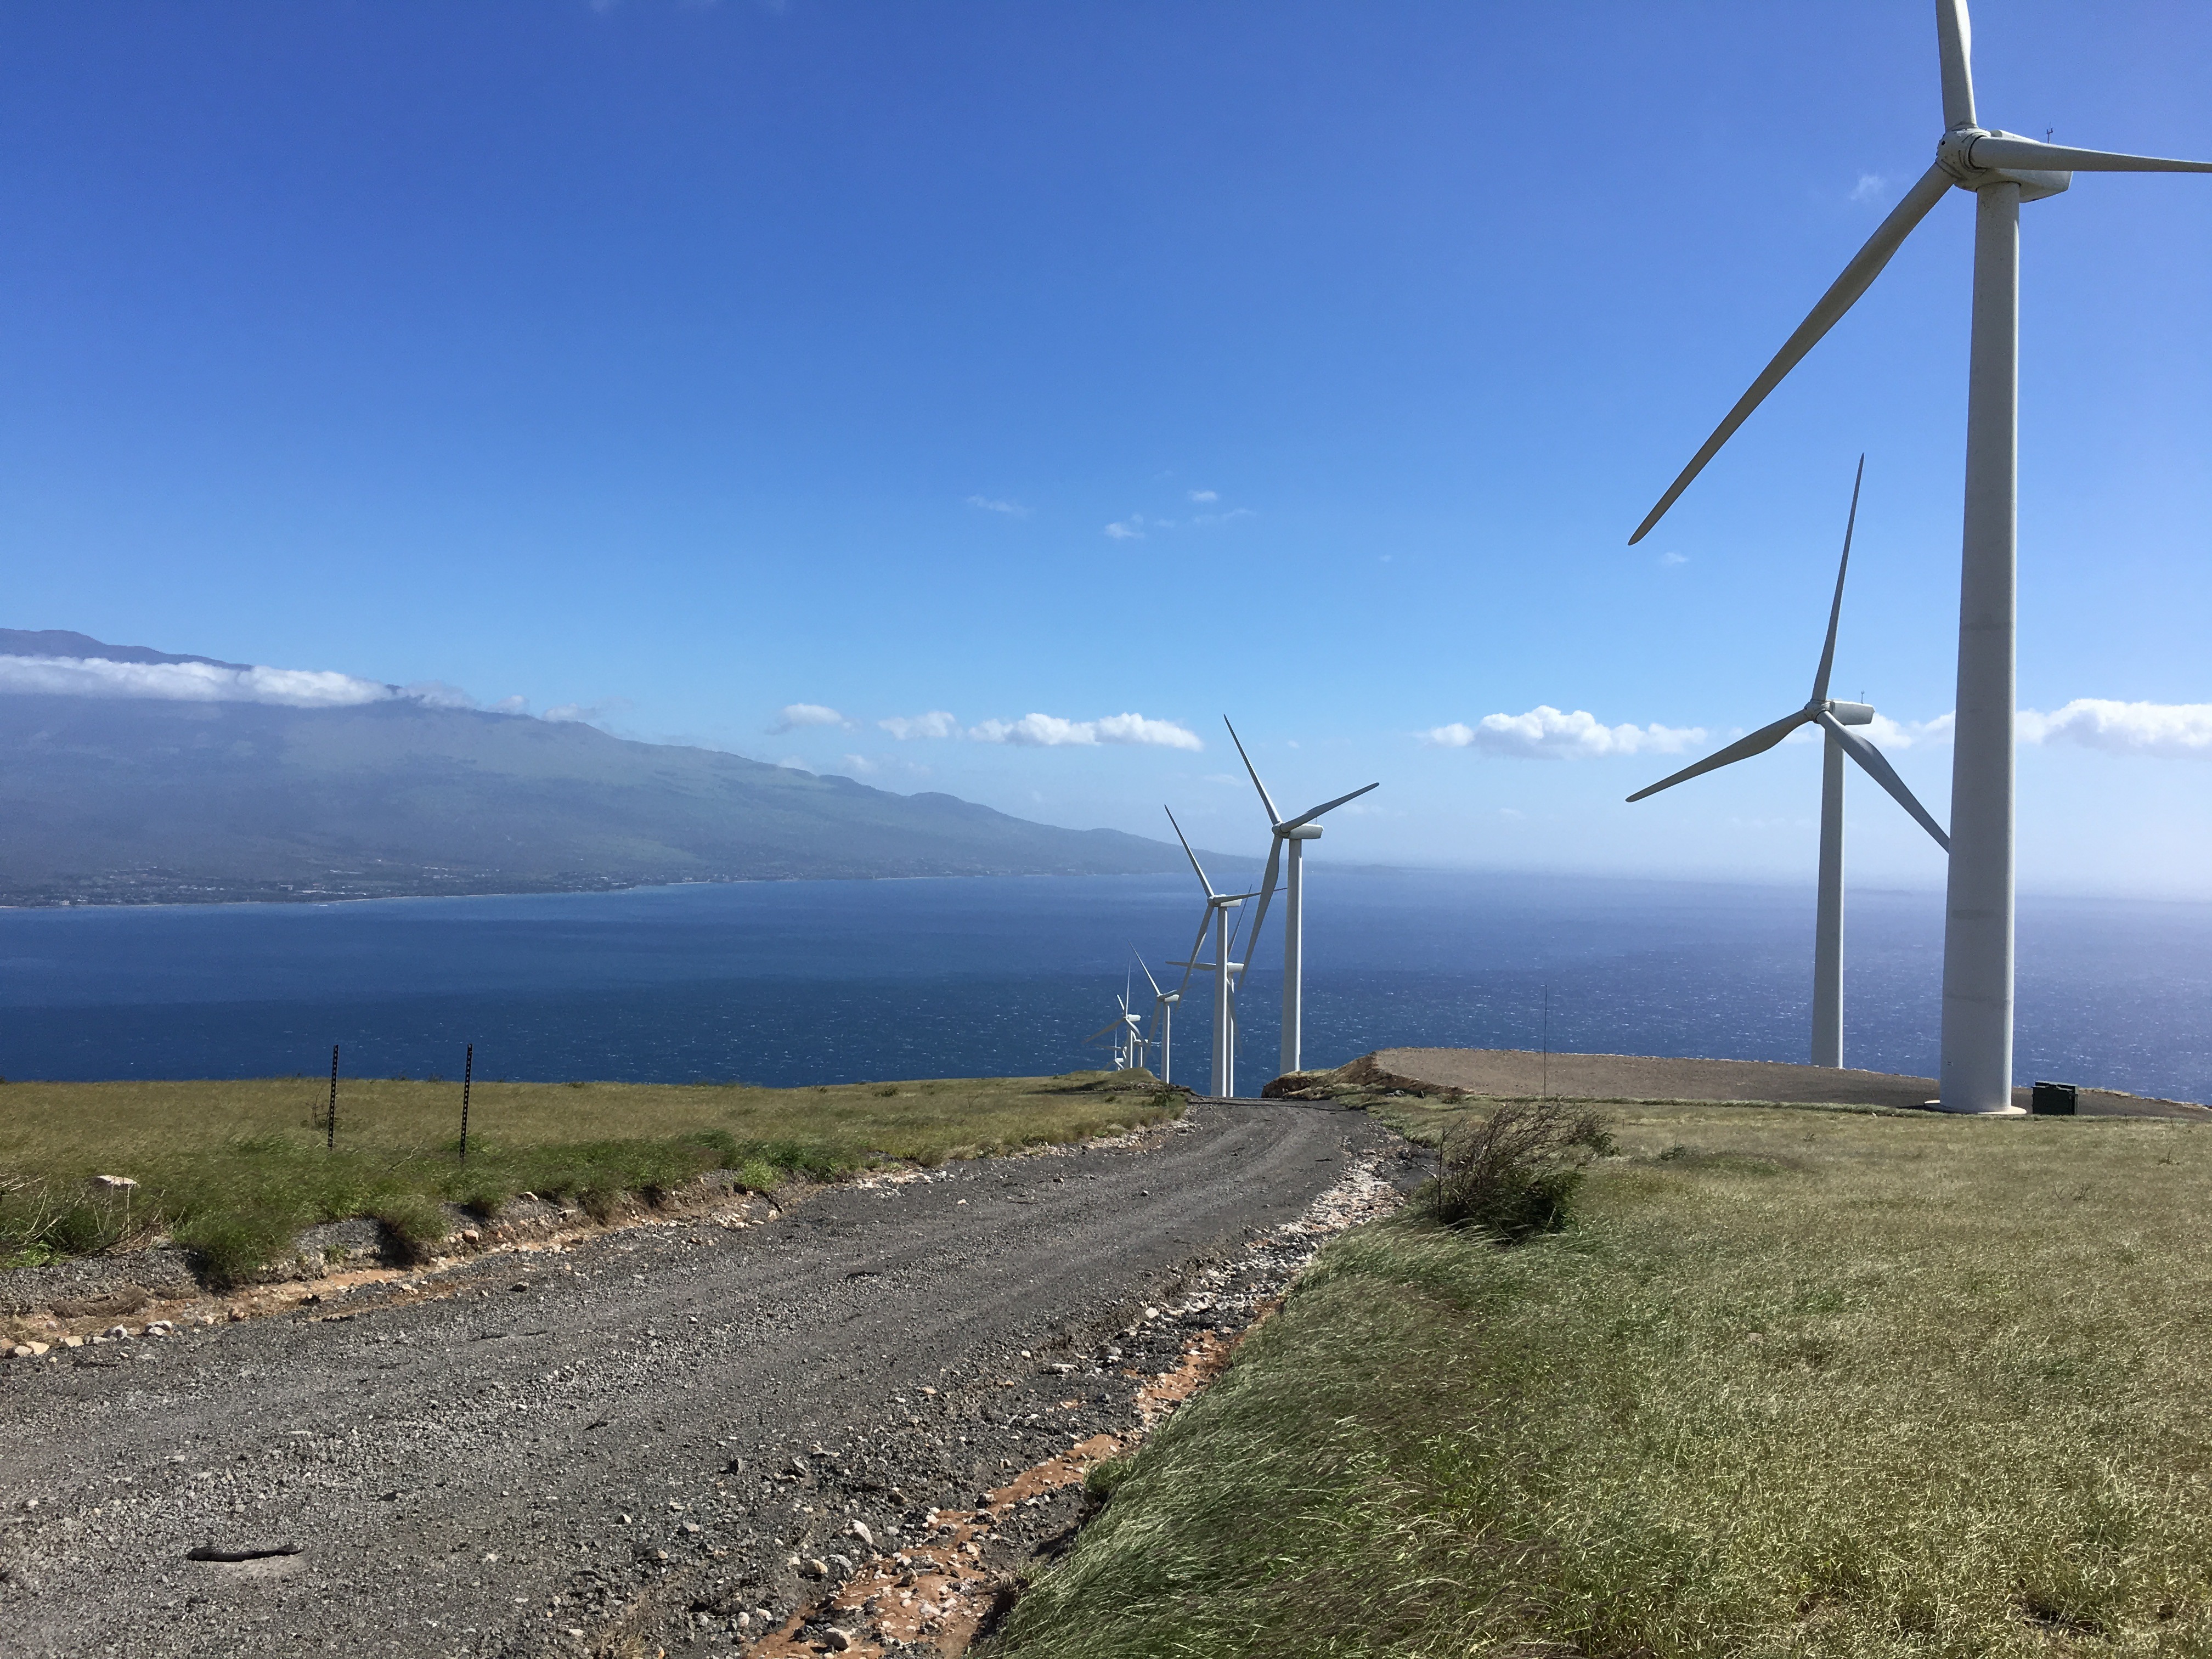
1300,832
1955,153
1846,713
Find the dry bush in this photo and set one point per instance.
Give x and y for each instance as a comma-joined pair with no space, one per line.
1515,1173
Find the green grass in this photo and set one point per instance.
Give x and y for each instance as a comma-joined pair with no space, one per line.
235,1169
1794,1382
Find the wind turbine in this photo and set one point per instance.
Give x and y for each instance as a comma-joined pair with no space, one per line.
1833,718
1163,1007
1218,907
1295,834
1128,1041
2002,170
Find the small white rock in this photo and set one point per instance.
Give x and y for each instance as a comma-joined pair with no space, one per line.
859,1530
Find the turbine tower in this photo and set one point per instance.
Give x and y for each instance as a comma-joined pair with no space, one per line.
1163,1007
1224,971
2002,170
1832,718
1295,834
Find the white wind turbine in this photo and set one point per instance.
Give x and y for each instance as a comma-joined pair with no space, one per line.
1163,1007
1832,718
2002,170
1295,834
1128,1036
1224,971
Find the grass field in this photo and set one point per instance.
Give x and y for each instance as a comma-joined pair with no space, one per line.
1796,1381
235,1169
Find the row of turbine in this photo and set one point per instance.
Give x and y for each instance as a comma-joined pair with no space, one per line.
1224,917
1133,1040
2001,171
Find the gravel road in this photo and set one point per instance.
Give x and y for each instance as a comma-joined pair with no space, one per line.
622,1446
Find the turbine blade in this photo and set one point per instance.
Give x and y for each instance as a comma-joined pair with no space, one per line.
1955,54
1149,979
1188,853
1871,760
1330,806
1114,1026
1843,294
1836,610
2003,150
1742,749
1190,963
1265,799
1266,892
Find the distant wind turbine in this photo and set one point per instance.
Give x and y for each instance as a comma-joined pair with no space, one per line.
1128,1039
1163,1007
1224,971
1295,834
1832,718
2002,170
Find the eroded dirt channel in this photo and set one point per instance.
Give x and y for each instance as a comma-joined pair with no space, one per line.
684,1438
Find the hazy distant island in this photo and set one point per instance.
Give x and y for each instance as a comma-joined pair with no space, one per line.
132,776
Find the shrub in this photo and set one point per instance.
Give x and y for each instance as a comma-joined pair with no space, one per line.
1515,1173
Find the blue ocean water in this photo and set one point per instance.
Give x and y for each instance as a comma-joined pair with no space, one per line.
790,982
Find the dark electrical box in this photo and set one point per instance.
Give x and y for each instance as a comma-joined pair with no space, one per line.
2052,1100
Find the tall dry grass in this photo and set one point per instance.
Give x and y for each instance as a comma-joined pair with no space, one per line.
1797,1382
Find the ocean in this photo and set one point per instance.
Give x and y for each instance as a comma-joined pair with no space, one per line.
796,982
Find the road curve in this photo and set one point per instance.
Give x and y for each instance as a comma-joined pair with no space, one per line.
626,1442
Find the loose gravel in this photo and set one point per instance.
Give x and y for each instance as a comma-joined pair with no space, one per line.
671,1437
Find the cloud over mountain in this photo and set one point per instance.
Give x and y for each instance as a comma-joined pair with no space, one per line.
1544,734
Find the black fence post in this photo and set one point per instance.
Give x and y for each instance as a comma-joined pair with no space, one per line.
331,1137
468,1072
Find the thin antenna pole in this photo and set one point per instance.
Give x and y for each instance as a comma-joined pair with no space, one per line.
468,1072
330,1122
1548,1039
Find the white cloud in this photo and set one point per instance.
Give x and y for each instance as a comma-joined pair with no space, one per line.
1131,529
794,715
1886,733
1050,731
2169,730
869,765
1869,187
1671,560
1544,734
937,723
1013,509
198,681
1205,495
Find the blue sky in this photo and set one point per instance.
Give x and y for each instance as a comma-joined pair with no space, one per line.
682,363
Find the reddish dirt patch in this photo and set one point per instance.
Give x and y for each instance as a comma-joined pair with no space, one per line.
940,1592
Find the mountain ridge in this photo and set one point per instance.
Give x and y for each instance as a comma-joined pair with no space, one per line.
120,798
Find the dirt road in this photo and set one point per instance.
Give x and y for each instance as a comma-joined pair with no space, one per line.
645,1441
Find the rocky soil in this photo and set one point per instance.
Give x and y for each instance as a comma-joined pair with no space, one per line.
842,1427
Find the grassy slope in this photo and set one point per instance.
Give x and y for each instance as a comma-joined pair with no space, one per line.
235,1169
1818,1384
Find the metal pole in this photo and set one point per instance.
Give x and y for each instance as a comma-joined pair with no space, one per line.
1828,929
468,1072
330,1122
1294,958
1547,1039
1167,1043
1977,922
